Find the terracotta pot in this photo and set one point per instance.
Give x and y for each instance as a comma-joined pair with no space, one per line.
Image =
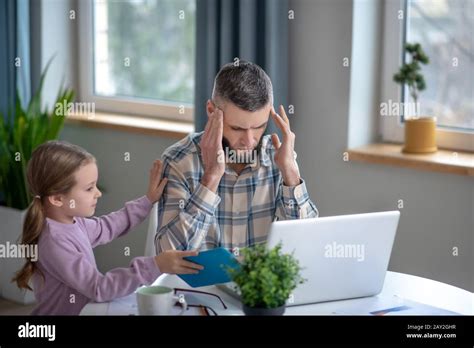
420,135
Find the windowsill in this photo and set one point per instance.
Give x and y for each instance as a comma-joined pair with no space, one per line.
135,124
443,161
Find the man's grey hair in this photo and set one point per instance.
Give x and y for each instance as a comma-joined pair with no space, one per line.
245,85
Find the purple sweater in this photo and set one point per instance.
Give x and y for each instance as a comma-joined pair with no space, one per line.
66,259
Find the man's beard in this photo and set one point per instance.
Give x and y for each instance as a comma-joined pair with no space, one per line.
242,158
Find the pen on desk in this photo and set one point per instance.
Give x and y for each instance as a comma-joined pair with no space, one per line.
388,310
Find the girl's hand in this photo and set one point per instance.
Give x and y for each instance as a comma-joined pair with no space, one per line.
171,261
156,187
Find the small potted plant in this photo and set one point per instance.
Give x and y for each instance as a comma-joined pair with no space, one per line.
420,132
266,279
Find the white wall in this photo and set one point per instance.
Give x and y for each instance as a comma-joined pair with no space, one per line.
438,208
364,65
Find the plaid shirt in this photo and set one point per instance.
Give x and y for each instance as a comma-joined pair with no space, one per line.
190,216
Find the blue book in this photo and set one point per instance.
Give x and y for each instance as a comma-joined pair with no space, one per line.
215,262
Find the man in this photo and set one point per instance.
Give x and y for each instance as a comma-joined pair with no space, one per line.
227,184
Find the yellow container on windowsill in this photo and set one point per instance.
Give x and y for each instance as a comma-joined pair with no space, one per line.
420,135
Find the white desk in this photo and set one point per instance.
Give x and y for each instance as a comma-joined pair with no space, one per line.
397,286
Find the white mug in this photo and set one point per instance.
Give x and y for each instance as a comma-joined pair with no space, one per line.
158,300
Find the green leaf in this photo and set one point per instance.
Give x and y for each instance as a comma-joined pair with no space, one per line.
22,131
409,73
266,278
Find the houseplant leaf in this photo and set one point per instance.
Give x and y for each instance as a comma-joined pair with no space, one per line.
21,132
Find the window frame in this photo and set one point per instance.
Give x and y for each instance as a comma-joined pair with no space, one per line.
120,105
391,127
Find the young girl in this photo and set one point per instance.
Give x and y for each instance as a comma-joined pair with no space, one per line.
62,178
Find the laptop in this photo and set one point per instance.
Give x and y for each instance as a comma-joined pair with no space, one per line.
342,257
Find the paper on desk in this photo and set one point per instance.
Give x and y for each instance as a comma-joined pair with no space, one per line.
128,306
390,305
123,306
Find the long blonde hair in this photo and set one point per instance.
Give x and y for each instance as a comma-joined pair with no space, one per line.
50,172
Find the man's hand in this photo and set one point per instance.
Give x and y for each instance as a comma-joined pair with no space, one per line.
156,187
211,148
284,152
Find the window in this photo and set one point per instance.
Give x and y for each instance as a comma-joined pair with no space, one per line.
444,29
137,56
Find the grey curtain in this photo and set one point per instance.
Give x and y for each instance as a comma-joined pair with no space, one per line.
15,43
23,74
253,30
8,46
